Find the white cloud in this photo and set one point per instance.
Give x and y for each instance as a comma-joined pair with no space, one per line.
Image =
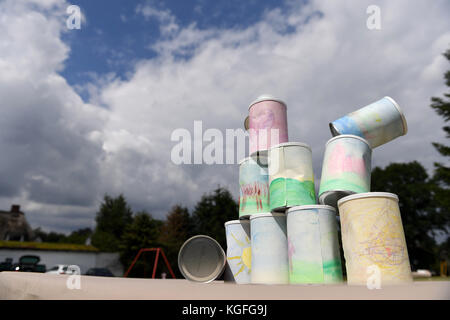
167,21
47,156
323,65
319,57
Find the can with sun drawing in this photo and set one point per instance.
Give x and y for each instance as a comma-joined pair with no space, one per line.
239,251
313,245
270,263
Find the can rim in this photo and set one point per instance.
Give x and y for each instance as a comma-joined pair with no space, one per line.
213,275
236,222
368,195
402,115
311,206
266,97
252,158
287,144
340,136
243,160
267,214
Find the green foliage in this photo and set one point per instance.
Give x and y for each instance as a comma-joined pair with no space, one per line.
420,216
112,219
76,237
441,176
177,228
46,246
79,236
211,213
143,232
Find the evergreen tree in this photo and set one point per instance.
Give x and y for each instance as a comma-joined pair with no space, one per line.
112,219
211,213
419,214
142,233
442,172
175,231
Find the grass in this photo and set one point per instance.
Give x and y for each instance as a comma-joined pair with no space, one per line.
435,278
46,246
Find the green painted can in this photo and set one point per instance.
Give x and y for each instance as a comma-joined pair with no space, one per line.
254,187
291,176
346,168
313,246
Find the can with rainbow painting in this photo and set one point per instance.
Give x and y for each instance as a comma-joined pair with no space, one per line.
266,124
291,177
378,122
346,168
239,251
313,245
254,188
270,263
373,239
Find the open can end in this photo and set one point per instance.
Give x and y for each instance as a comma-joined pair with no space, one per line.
333,130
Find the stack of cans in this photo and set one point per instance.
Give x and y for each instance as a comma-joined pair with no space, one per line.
285,232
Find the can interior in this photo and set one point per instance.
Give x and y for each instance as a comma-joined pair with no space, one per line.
331,198
201,260
333,130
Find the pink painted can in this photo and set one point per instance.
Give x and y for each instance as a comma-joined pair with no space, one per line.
266,123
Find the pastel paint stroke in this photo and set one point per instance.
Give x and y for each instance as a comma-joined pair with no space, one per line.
246,255
287,191
345,161
347,125
257,191
291,251
263,120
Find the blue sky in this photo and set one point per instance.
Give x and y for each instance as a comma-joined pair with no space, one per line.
114,35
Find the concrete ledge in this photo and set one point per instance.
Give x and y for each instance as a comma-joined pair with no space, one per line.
22,285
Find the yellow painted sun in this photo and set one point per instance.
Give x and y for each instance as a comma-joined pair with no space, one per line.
245,257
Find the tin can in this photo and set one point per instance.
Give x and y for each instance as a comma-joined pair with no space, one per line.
239,250
266,123
270,263
201,259
346,168
373,239
378,122
313,245
291,177
254,188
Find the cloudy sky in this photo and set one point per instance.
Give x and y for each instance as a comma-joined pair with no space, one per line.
91,111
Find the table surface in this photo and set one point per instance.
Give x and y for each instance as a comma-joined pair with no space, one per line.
25,285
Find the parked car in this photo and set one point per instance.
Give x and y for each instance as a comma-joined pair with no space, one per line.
29,263
99,272
422,273
61,269
6,265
